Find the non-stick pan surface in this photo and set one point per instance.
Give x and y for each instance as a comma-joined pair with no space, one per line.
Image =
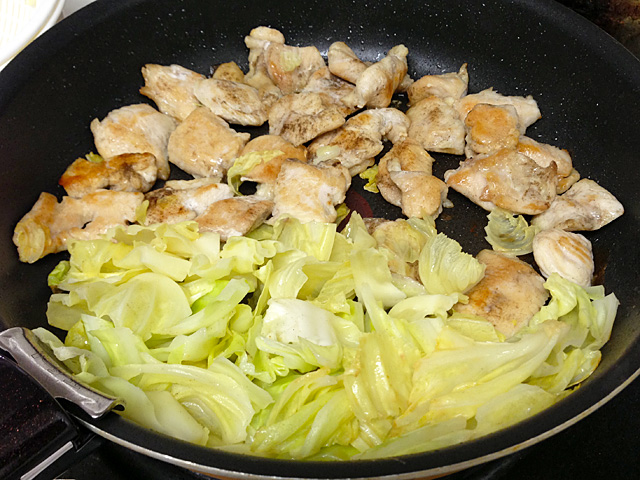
586,85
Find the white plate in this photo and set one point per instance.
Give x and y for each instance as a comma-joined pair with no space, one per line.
21,21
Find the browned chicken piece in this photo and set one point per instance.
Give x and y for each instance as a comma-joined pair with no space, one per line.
377,84
526,107
446,85
290,67
310,192
585,206
204,145
544,154
234,216
505,179
182,200
301,117
405,180
436,125
358,141
129,172
324,82
171,88
568,254
266,173
229,71
509,295
258,40
236,102
136,128
490,128
49,225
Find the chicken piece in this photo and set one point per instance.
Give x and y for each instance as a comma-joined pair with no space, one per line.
171,88
229,71
544,154
129,172
236,102
324,82
585,206
301,117
258,40
136,128
344,63
359,140
405,180
568,254
509,294
505,179
435,124
527,108
290,67
490,128
49,225
450,84
204,145
234,216
182,200
377,84
266,173
310,192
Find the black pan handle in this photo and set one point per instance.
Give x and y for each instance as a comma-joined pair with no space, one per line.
39,439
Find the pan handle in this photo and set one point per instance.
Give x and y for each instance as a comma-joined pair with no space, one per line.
40,440
35,359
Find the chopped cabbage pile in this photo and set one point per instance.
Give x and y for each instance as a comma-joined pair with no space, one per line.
299,342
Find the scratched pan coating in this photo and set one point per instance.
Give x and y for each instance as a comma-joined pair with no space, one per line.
587,87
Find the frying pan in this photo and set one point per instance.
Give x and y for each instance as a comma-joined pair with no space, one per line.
587,87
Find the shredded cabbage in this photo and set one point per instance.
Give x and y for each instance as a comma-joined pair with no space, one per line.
303,342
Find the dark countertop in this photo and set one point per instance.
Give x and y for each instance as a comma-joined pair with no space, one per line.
577,452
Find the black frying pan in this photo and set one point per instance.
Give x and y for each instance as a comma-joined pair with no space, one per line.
587,87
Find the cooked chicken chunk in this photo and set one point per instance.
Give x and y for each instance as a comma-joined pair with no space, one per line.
49,225
324,82
266,173
182,200
290,67
436,125
136,128
344,63
377,84
171,88
301,117
509,294
490,128
234,216
526,107
568,254
451,84
309,192
585,206
229,71
544,154
505,179
359,140
236,102
204,145
129,172
258,40
405,180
